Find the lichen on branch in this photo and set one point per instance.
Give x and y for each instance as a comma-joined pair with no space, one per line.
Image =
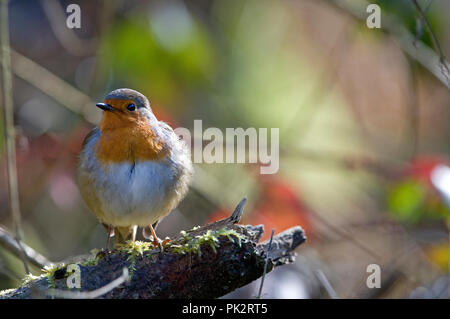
204,262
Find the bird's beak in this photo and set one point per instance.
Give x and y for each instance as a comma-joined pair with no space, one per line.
105,107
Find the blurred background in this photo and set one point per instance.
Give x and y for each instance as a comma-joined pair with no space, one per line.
363,119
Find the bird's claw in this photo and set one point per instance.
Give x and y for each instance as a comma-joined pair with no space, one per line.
160,243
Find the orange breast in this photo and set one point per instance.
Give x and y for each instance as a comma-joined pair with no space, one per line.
128,140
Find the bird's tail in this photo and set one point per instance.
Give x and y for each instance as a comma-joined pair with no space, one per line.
123,234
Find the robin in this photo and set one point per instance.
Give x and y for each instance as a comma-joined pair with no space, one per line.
133,169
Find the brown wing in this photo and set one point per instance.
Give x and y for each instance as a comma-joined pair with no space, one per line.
90,135
85,183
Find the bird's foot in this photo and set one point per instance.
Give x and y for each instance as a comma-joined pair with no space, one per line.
166,241
110,233
160,243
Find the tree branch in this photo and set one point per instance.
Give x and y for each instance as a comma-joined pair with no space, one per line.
416,50
10,134
434,39
10,244
205,262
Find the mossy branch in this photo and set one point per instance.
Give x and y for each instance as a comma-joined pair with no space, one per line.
205,262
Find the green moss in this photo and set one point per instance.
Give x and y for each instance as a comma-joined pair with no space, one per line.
186,244
210,238
92,260
49,272
135,249
185,236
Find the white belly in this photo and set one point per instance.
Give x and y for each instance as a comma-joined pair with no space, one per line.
138,195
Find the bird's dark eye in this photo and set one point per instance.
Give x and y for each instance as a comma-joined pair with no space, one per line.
131,107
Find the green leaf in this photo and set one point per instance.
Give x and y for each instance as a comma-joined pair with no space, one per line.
406,201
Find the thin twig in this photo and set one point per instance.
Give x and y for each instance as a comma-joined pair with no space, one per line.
435,41
52,85
68,39
419,27
5,270
8,118
344,234
9,243
58,293
419,52
326,284
265,265
413,108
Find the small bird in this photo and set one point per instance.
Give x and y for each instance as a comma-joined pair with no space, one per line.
133,169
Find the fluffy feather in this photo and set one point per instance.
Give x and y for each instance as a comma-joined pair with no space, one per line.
134,175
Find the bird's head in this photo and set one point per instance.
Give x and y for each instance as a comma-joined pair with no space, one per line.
127,129
124,108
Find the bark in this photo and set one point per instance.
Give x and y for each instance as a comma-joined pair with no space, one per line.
233,262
